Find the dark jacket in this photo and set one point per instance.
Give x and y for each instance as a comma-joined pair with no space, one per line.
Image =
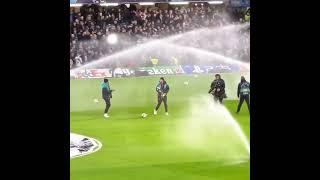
106,91
217,84
243,88
162,88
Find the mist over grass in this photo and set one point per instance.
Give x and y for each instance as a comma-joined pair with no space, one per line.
210,129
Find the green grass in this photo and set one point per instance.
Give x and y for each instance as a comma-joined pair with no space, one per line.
151,148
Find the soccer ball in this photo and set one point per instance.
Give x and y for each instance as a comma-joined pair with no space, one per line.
144,115
96,100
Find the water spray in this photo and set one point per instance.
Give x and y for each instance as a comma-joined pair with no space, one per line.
210,128
160,45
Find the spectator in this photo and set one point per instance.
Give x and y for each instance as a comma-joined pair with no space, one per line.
92,24
78,61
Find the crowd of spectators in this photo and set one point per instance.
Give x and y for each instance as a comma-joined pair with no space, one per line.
90,27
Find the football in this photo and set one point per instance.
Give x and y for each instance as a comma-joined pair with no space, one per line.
144,115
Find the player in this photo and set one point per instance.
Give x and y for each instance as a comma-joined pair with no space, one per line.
217,89
243,93
162,89
106,95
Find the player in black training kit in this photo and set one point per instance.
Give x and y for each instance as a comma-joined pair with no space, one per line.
217,89
243,93
106,95
162,90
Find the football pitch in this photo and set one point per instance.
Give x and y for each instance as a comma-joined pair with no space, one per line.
197,141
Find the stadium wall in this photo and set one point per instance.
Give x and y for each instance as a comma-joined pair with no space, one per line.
157,70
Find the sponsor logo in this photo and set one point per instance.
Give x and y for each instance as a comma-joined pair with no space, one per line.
223,67
195,69
93,73
120,72
82,145
162,70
